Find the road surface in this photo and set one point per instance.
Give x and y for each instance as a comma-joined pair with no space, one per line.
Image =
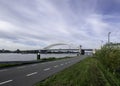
28,75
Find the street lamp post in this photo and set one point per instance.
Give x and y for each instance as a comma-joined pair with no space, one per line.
101,43
109,37
80,47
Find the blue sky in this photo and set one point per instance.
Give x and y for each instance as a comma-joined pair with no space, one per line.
34,24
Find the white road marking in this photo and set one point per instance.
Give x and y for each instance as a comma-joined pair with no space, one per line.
46,69
43,63
5,82
49,62
34,65
21,67
66,63
3,70
31,74
56,66
61,64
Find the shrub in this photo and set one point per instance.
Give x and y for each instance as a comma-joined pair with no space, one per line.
110,57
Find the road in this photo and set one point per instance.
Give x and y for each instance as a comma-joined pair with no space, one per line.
28,75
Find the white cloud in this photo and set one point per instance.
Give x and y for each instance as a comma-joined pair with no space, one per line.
97,24
28,24
6,26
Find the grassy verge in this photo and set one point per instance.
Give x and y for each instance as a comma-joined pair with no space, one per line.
109,56
53,58
41,60
13,64
6,65
89,72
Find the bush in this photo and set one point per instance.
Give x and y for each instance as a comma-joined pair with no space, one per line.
110,57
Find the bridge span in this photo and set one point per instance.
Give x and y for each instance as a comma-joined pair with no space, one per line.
64,50
49,50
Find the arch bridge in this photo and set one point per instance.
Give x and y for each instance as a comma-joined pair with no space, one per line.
53,45
49,50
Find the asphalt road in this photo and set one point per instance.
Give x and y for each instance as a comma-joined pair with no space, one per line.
28,75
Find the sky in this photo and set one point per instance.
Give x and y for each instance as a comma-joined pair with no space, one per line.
35,24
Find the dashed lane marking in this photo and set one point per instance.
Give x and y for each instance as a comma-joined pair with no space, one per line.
34,65
61,64
31,74
3,70
46,69
55,66
21,67
1,83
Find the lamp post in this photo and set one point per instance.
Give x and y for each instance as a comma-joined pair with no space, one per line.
109,37
80,47
102,43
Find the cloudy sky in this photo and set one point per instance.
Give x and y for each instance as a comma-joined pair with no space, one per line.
34,24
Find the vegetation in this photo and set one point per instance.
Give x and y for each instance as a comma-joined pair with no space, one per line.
103,69
6,65
53,58
22,63
109,56
89,72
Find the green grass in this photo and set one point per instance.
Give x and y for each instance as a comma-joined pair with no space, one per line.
53,58
109,56
6,65
41,60
89,72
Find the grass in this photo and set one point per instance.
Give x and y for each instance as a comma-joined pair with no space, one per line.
53,58
41,60
6,65
109,56
89,72
13,64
